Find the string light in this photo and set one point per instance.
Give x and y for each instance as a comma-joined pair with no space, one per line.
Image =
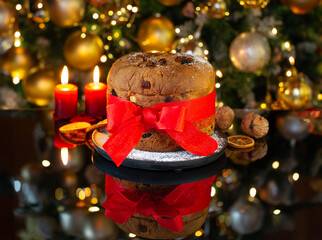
129,7
103,58
199,233
288,73
42,25
274,31
59,194
177,30
94,200
213,192
219,74
110,56
17,43
93,209
18,7
83,35
206,52
45,163
227,14
217,85
135,9
95,16
109,38
252,192
277,211
275,164
296,176
17,34
40,5
16,80
197,9
113,22
132,235
122,43
190,37
292,60
110,13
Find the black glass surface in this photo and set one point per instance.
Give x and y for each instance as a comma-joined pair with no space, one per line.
273,191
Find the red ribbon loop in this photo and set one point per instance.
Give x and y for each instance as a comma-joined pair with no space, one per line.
167,210
127,122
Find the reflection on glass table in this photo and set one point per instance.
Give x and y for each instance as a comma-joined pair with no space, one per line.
52,189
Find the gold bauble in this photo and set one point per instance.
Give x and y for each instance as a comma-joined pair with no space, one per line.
17,61
156,34
194,47
83,50
170,2
249,52
39,86
217,8
7,17
254,3
301,6
66,13
295,93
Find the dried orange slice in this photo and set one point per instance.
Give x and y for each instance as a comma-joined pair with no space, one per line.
74,132
240,141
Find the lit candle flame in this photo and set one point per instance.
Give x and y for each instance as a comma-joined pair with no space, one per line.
64,155
64,75
96,75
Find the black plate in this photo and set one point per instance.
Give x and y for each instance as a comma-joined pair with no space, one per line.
159,177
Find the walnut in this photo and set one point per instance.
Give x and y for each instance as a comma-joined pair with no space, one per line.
254,125
224,117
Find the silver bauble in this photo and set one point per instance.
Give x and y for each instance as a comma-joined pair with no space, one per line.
249,52
246,216
293,127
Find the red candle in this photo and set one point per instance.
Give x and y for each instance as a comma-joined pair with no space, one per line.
65,97
95,96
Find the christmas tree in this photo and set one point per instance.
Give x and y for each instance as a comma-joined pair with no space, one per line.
266,53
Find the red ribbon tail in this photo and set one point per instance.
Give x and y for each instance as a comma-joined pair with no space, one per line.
174,224
194,141
123,140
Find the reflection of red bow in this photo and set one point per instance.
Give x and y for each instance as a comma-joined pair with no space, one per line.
167,210
127,122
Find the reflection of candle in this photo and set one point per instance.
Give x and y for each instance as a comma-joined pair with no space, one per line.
65,97
58,141
64,155
95,96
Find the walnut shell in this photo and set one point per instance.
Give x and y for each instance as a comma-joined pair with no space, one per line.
224,117
254,125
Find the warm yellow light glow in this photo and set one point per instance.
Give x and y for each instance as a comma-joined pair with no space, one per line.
17,43
275,164
42,25
277,211
135,9
64,155
231,127
17,34
83,35
18,7
177,30
113,22
287,44
45,163
190,37
94,200
40,5
116,35
110,56
93,209
296,176
252,192
95,16
281,84
88,192
81,195
219,74
96,76
128,25
132,235
227,13
320,96
59,194
122,43
199,233
217,85
288,73
16,80
103,58
206,52
274,31
129,7
292,60
263,106
198,9
213,191
64,75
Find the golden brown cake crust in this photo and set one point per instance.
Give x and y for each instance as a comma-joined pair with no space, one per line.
147,79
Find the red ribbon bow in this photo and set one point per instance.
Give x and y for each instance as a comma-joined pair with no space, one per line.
167,210
127,122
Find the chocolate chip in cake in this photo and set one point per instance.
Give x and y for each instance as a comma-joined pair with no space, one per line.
162,62
168,99
183,60
146,84
114,93
150,63
146,135
142,228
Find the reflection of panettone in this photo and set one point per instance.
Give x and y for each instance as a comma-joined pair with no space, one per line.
147,79
147,226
